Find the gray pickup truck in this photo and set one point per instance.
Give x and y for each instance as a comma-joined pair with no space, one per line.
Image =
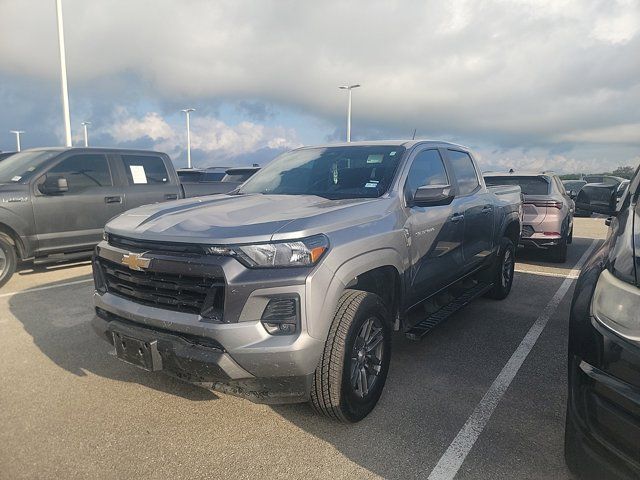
54,202
288,289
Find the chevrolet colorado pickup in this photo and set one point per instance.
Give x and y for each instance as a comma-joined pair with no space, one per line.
54,202
288,289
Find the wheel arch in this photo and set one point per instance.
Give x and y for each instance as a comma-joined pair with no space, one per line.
14,238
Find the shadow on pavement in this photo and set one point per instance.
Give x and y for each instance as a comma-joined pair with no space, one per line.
58,321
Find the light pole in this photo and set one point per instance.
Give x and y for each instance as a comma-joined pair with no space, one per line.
85,126
349,88
63,75
17,134
187,111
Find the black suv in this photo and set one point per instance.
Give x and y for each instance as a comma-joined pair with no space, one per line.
602,435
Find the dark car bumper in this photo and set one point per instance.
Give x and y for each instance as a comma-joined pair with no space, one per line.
603,411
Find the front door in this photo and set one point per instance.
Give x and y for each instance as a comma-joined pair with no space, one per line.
74,220
434,234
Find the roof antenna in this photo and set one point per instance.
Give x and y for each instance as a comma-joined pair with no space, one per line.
414,134
511,170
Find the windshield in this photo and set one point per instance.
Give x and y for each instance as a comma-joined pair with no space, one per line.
331,172
20,167
528,185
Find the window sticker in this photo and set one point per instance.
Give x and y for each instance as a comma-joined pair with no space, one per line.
392,154
371,184
376,158
17,178
138,174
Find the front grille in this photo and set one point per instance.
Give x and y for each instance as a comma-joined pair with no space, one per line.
527,231
151,246
181,293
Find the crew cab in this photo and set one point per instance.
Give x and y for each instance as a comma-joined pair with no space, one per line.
54,202
288,289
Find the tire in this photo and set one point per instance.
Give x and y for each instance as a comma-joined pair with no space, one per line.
8,259
559,253
339,390
503,270
570,238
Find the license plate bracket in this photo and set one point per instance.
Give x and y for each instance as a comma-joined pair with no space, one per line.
141,353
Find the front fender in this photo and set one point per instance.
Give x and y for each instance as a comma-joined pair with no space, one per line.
325,286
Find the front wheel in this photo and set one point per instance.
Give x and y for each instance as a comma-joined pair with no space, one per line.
8,259
353,368
503,270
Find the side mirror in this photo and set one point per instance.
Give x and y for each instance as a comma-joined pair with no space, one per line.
598,198
432,195
54,185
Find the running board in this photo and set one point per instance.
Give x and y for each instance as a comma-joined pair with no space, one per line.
63,257
423,327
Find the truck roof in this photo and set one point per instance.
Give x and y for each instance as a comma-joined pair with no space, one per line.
400,143
91,149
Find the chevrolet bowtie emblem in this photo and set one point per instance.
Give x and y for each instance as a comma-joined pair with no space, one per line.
135,261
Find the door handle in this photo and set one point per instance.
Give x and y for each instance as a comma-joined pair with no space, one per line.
171,196
114,199
456,217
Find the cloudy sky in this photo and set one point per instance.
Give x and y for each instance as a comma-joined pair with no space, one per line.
527,83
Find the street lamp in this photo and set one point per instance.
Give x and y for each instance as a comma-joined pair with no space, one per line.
86,133
187,111
63,76
349,88
17,134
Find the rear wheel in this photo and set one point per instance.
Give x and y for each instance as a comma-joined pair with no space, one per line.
353,368
559,252
504,268
8,259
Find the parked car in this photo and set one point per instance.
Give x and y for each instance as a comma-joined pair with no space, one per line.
196,175
606,179
602,434
288,289
4,155
573,188
56,201
231,179
622,189
548,211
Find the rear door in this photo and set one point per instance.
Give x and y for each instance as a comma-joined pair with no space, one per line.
434,234
147,179
477,205
74,220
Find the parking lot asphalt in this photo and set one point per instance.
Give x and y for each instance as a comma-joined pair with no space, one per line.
68,409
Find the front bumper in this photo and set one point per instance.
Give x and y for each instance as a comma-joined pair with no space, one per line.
603,410
233,353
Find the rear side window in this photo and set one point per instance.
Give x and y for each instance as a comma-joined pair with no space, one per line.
84,171
427,169
465,171
528,185
145,169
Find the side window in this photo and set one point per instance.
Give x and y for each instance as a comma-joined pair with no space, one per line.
145,169
427,169
465,171
84,171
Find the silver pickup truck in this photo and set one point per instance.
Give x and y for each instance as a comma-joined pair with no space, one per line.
288,289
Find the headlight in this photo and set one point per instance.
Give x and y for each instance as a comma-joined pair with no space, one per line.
616,304
292,253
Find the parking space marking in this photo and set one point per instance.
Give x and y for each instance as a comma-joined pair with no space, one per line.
38,289
548,274
452,459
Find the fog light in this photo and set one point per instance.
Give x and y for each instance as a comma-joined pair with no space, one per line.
280,317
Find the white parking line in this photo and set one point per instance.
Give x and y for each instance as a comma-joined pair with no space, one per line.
452,460
548,274
38,289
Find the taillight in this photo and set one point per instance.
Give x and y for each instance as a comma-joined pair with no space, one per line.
546,203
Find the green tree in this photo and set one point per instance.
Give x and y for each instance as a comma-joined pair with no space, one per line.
624,172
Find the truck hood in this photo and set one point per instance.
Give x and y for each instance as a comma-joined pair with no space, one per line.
230,219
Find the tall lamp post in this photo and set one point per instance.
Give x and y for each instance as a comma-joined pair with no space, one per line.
85,126
348,88
17,134
63,76
187,111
